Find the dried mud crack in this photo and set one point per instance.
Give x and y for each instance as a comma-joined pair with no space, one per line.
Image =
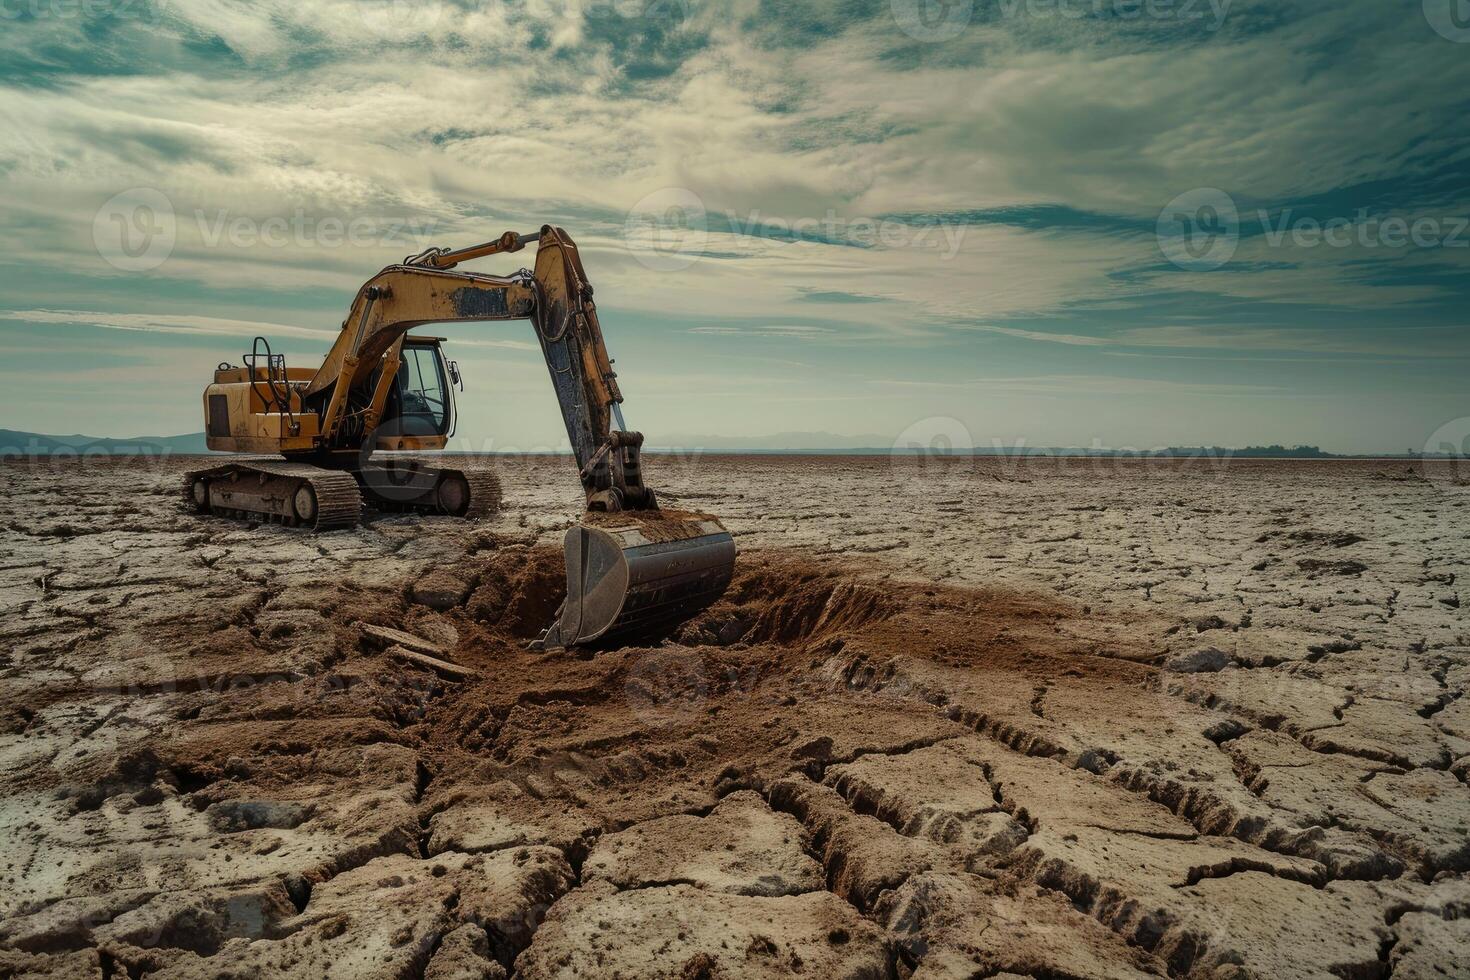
1146,726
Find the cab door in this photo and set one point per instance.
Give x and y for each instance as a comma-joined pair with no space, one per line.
419,413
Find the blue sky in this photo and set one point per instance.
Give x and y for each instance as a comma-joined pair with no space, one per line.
1058,222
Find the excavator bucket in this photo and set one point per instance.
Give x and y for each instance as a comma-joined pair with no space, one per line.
634,575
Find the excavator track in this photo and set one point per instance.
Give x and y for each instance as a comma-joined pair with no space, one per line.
412,487
276,491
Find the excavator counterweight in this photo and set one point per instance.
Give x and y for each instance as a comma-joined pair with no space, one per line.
634,571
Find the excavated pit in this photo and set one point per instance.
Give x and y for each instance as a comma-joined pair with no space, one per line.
773,598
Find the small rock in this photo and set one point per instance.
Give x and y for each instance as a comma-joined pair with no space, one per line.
1206,660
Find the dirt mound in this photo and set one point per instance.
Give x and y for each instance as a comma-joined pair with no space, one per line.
518,593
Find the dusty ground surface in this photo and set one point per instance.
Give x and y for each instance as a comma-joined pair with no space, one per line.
958,719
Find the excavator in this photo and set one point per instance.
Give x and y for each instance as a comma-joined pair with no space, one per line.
634,572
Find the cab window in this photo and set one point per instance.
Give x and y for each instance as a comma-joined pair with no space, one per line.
419,404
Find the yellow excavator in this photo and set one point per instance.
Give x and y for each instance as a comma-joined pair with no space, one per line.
633,571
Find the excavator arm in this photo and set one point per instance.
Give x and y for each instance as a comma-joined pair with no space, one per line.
556,297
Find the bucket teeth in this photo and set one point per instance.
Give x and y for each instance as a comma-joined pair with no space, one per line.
633,577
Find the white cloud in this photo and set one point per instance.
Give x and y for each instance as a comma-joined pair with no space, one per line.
1074,340
1048,115
170,324
1407,340
795,331
1084,384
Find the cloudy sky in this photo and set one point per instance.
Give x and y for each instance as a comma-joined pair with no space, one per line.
1063,222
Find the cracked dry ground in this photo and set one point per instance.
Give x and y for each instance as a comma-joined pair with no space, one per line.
965,719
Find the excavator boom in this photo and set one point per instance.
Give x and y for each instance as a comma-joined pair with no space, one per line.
633,571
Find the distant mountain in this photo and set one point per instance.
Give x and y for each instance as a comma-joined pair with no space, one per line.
13,443
819,442
824,443
868,445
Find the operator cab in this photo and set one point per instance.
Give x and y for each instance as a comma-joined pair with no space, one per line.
421,402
